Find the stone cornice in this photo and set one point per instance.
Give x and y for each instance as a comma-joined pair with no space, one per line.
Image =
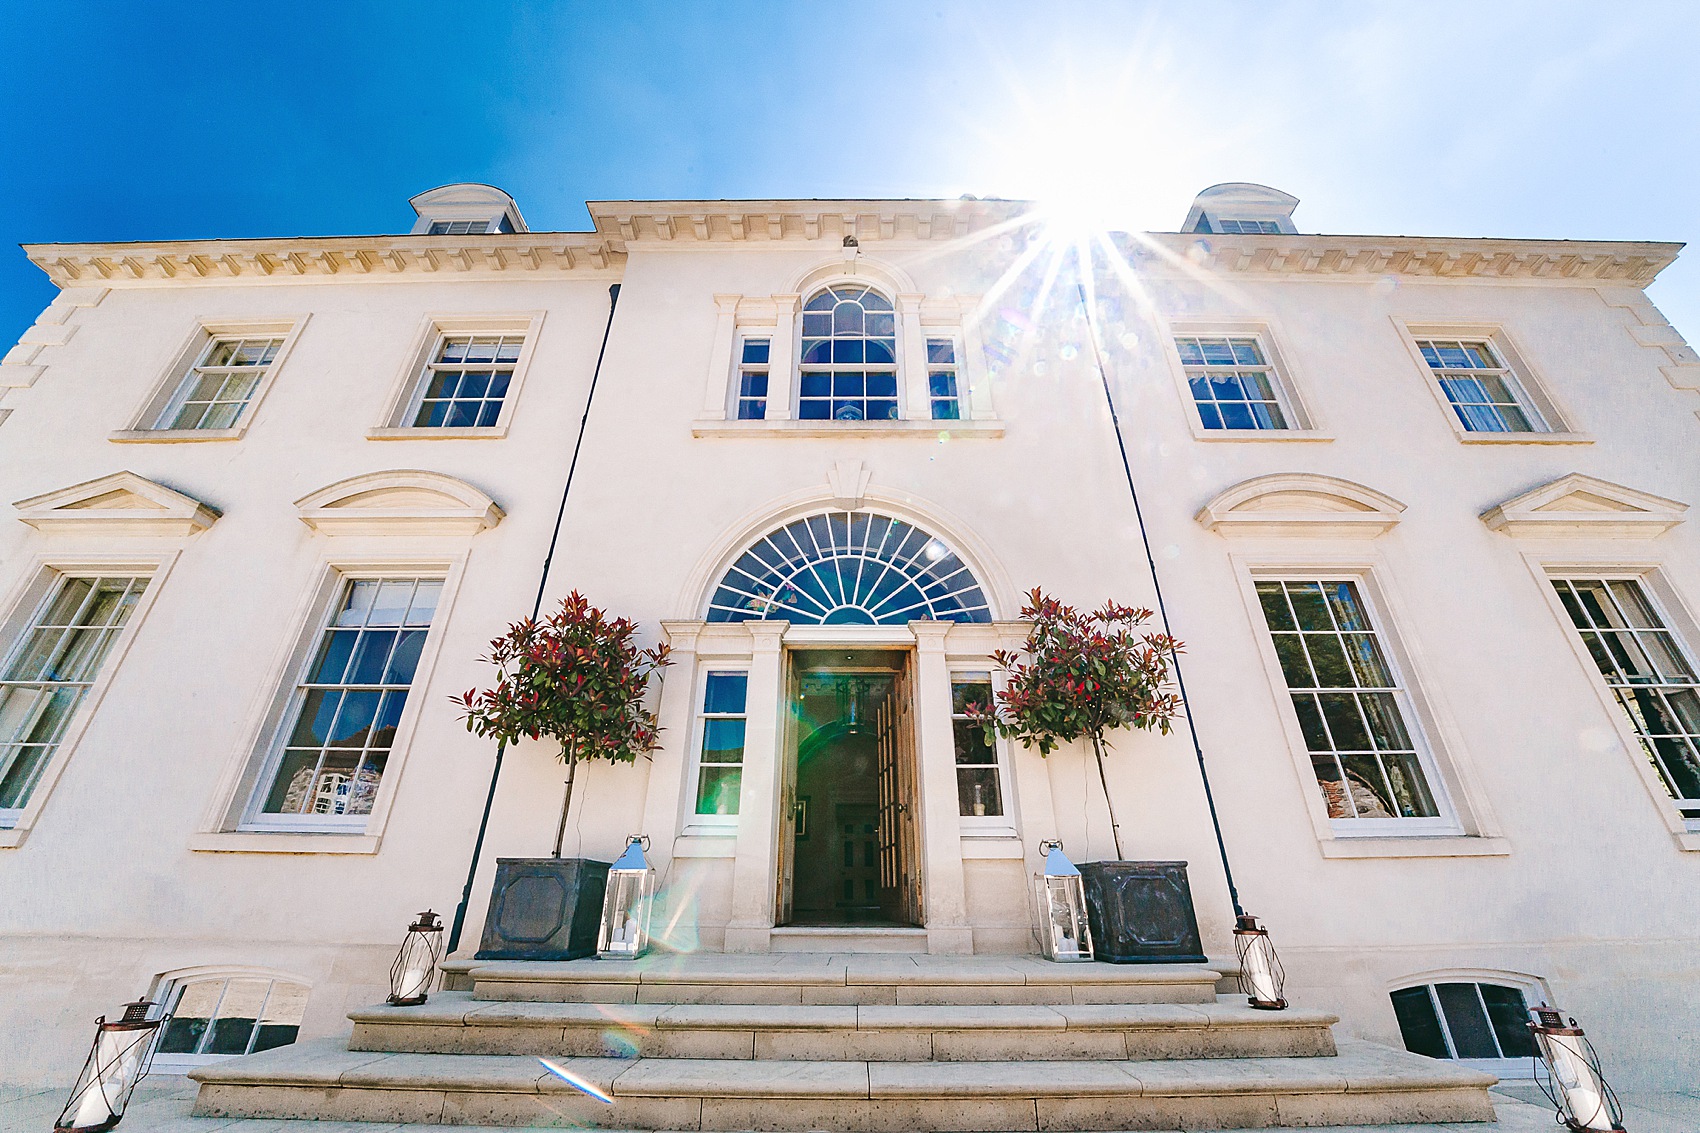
734,221
324,257
1438,257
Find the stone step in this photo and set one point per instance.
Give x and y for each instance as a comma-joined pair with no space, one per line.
1363,1084
835,938
455,1023
831,978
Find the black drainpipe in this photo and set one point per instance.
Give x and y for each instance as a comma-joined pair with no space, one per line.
1157,587
536,607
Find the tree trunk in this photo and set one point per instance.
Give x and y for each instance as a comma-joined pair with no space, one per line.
1115,828
567,803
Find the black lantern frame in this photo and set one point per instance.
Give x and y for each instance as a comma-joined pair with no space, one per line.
1567,1069
120,1057
1263,980
415,967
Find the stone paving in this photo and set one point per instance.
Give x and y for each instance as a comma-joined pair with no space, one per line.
162,1105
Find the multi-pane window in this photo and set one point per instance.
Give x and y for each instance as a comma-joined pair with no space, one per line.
720,771
752,379
1232,382
220,385
1348,701
1464,1020
978,791
464,384
49,673
1481,387
1648,672
849,356
1250,227
349,703
942,380
230,1016
468,227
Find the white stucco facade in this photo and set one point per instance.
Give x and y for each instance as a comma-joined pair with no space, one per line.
1556,859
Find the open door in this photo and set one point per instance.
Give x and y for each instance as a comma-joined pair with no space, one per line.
899,844
787,872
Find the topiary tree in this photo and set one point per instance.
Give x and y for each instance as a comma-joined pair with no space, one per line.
578,677
1086,674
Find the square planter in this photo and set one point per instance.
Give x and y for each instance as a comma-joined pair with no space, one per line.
1141,913
544,909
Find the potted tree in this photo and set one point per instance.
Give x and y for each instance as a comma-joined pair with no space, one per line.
579,678
1086,675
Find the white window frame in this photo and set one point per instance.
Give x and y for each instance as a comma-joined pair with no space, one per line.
179,373
1666,596
416,374
901,377
1533,393
168,984
1467,826
693,822
964,406
1303,423
1003,825
740,368
1535,994
26,602
227,826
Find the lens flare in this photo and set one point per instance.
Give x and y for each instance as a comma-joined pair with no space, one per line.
575,1081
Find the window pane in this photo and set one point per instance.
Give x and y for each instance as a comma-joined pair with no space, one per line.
191,1017
1418,1024
717,789
977,792
1466,1021
238,1011
1509,1014
726,692
723,741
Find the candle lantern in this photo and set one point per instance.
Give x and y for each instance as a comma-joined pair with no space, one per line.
118,1060
415,965
1063,932
1572,1079
624,934
1262,978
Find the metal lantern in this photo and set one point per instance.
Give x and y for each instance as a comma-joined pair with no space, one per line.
118,1060
625,910
1261,975
1573,1081
415,965
1063,932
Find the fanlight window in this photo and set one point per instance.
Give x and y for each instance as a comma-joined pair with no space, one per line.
849,568
849,364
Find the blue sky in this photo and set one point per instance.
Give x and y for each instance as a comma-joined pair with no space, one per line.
138,121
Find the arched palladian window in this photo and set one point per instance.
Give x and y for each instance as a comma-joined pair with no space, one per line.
849,568
849,356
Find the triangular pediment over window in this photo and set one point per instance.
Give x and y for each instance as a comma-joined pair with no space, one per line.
399,502
1578,506
1300,504
120,504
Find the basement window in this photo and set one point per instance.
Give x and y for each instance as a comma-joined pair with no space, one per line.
215,1016
1481,1024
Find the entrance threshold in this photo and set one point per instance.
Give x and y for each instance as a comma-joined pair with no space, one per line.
847,938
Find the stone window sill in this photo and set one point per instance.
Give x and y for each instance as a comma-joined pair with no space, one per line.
12,836
990,844
1687,841
921,430
476,433
1417,846
172,436
1260,435
262,842
707,845
1525,438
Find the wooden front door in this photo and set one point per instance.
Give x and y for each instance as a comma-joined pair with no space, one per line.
899,844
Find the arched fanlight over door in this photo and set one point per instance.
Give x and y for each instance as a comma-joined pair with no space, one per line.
849,568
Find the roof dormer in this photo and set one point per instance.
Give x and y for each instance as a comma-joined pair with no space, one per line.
464,210
1240,207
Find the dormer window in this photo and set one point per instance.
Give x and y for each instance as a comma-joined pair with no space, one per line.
1250,227
469,227
1242,209
465,210
848,370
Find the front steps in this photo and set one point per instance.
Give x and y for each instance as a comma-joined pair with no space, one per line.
859,1044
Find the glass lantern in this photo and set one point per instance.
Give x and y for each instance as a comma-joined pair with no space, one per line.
1063,932
624,934
1262,978
415,965
1572,1079
118,1060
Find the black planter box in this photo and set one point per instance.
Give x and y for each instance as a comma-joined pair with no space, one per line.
1141,913
544,909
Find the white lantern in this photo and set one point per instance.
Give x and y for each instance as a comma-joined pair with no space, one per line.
415,966
1064,933
117,1061
1573,1080
1262,978
625,910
